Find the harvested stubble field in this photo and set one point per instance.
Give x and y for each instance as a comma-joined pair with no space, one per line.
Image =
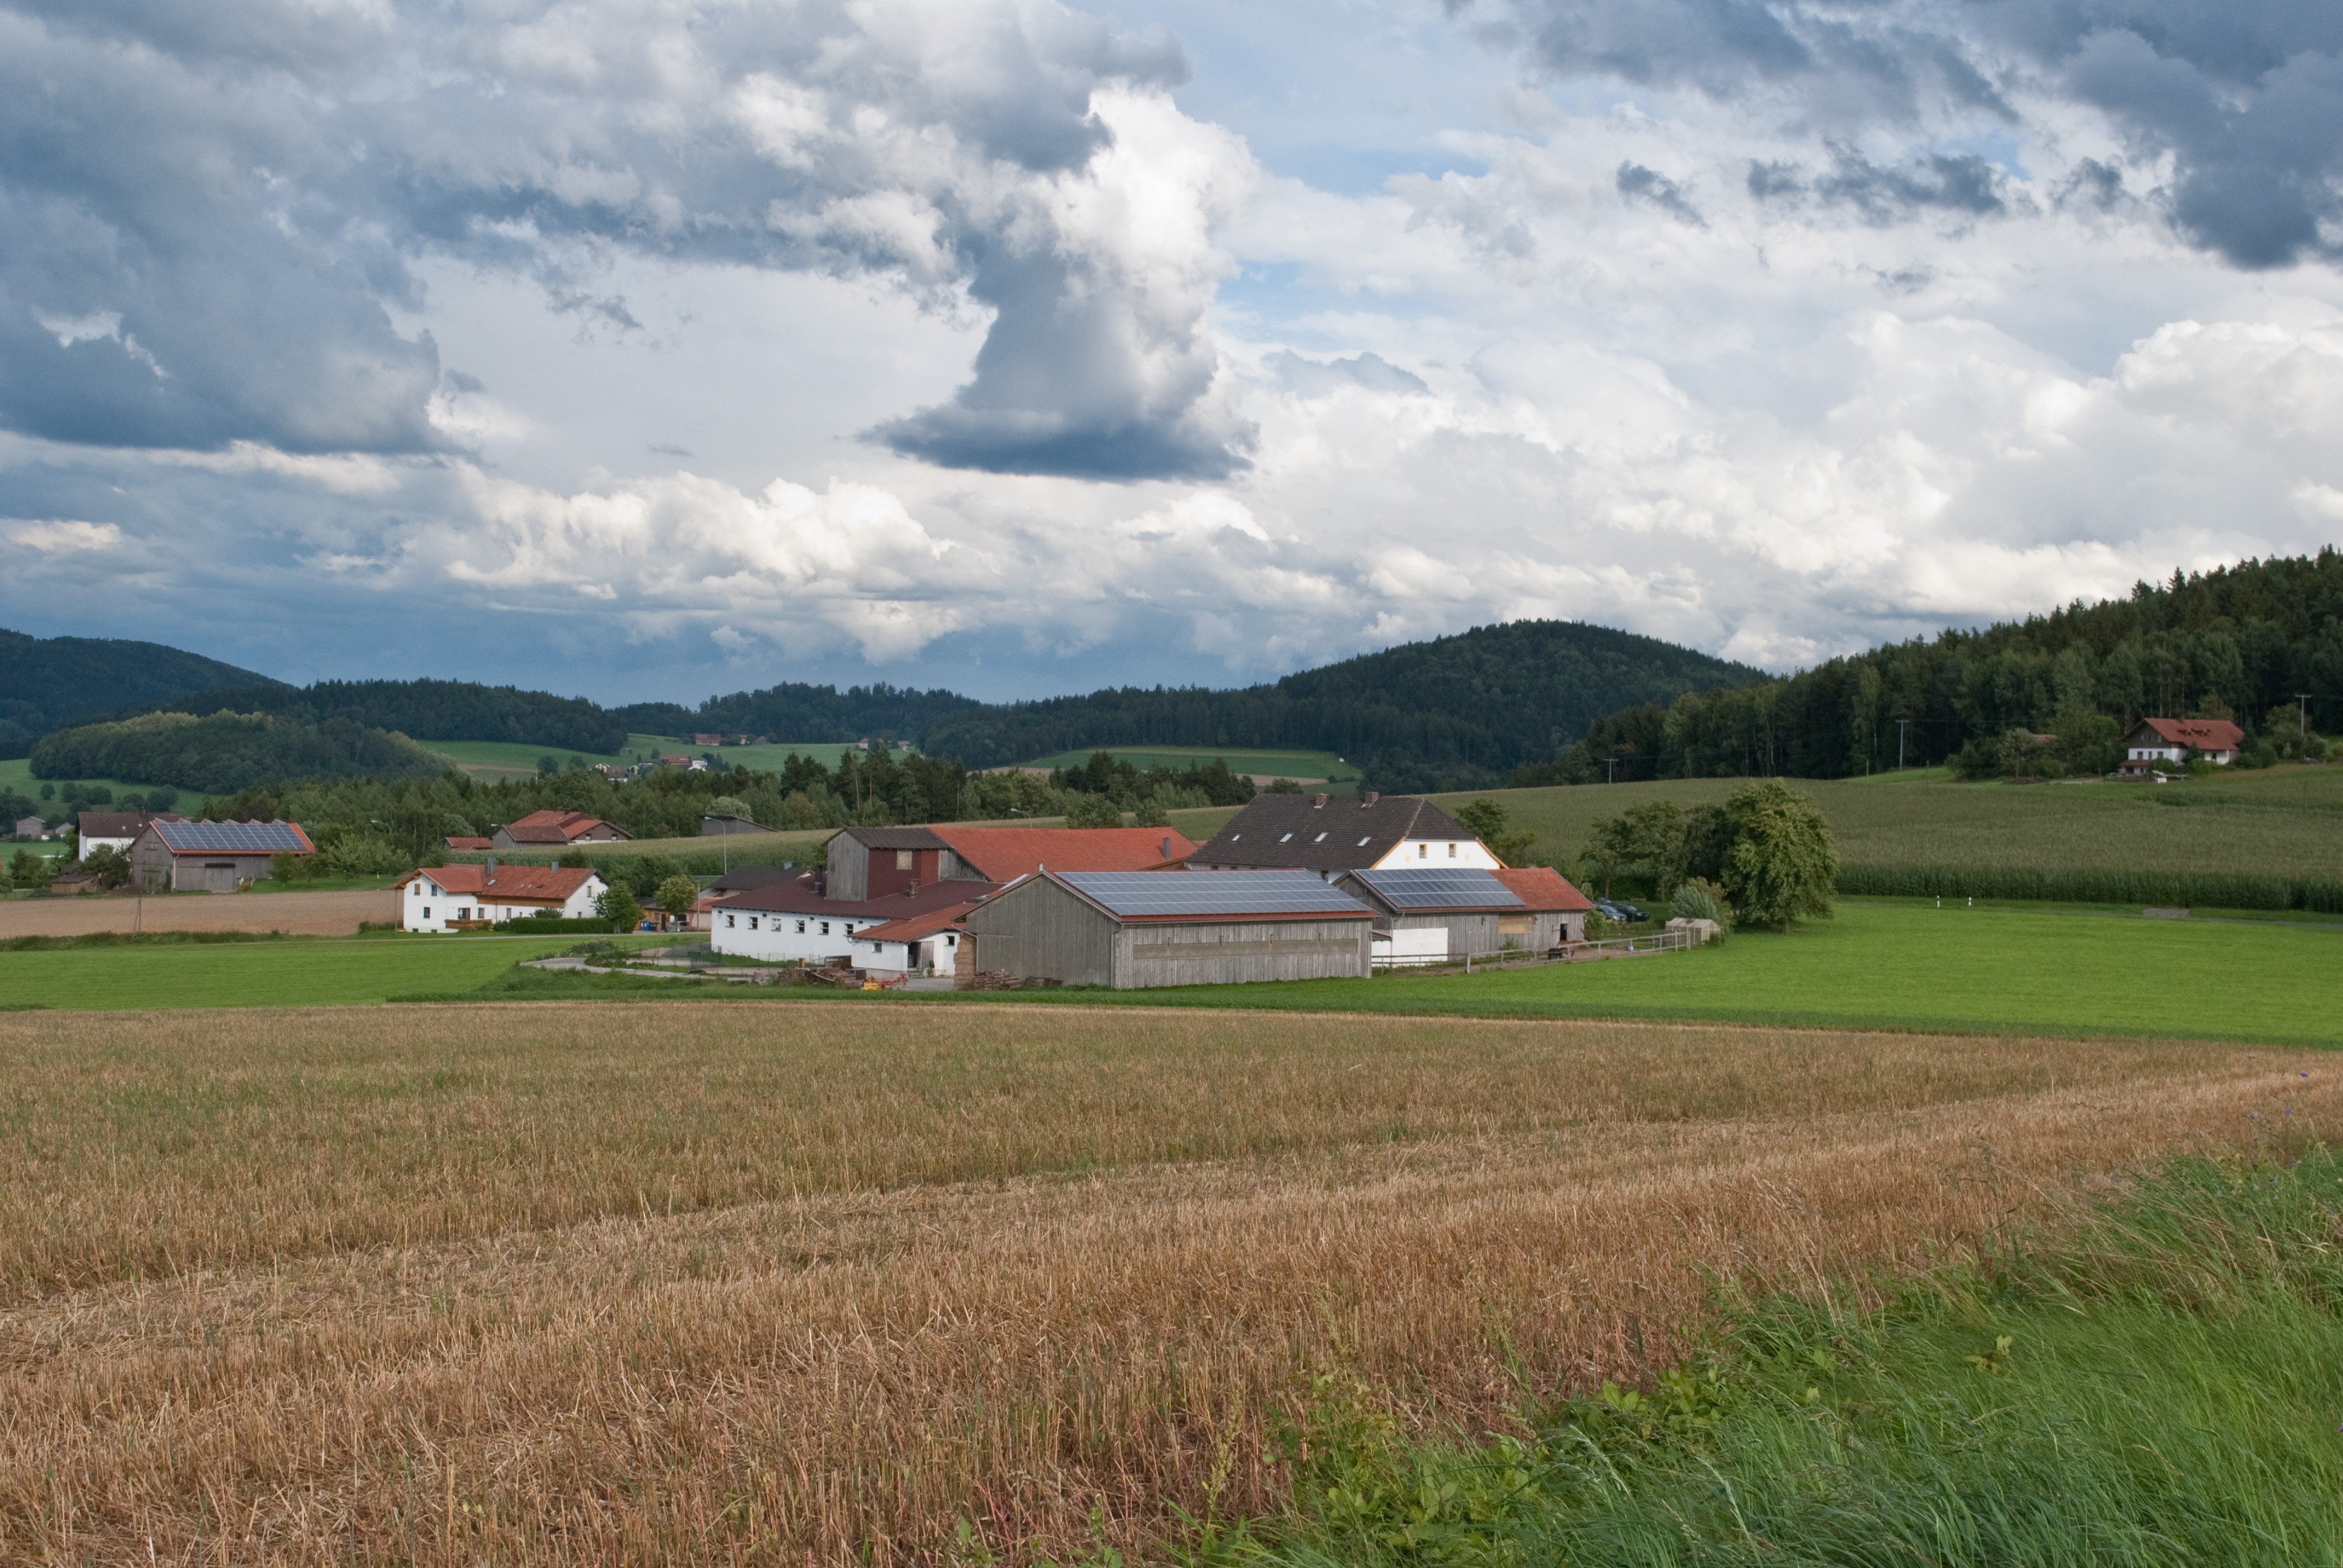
328,914
576,1283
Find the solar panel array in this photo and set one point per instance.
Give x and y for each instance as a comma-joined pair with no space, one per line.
1208,893
1447,888
231,837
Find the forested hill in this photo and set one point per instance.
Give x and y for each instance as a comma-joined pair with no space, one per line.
49,682
2238,642
431,710
795,711
1454,712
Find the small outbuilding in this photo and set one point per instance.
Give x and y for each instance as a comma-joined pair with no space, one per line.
1439,916
211,856
1130,929
31,827
557,828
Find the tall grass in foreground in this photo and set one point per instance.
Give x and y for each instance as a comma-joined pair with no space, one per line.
2113,885
2162,1386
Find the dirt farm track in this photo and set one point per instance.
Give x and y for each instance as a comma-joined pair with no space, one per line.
334,914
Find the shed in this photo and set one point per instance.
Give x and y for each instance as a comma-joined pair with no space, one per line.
211,856
1437,915
1129,929
557,828
31,827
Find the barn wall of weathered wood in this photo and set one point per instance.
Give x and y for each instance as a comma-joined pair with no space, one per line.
1038,930
1231,952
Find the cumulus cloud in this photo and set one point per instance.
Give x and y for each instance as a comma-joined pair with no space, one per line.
208,221
65,536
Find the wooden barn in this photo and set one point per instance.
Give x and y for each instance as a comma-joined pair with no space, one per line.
1438,915
1131,930
211,856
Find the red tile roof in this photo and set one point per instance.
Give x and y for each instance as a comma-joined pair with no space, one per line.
912,927
553,827
508,884
468,843
1542,888
2204,734
1005,854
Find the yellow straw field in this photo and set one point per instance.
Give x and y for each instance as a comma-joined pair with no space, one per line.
577,1282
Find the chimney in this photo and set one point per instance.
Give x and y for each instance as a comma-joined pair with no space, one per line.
1167,849
492,869
1318,803
1367,799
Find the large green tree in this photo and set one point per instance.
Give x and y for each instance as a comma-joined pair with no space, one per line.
1781,862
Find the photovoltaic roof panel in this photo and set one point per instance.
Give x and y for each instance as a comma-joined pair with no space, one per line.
1202,894
230,838
1449,887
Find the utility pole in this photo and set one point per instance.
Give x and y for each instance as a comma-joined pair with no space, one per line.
2302,715
1899,743
1610,771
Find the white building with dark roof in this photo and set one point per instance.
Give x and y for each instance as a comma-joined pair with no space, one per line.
1330,834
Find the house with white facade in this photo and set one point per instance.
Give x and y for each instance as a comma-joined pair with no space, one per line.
2154,744
796,921
117,829
924,944
444,899
1330,834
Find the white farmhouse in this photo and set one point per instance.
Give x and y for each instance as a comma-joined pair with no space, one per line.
467,898
796,921
1330,834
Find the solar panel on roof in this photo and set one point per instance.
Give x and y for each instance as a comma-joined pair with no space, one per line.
230,838
1201,893
1446,887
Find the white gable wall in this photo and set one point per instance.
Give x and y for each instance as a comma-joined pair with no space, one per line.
785,937
1430,854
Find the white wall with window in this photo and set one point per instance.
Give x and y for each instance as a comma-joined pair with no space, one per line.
426,905
1447,853
783,937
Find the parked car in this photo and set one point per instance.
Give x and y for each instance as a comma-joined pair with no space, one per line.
1625,914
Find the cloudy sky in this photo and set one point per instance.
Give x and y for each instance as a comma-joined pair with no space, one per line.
656,347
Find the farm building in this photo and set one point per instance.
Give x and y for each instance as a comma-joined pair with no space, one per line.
467,843
738,879
797,921
870,862
917,944
1436,915
31,827
557,828
2156,743
1129,929
117,829
466,898
211,856
1330,834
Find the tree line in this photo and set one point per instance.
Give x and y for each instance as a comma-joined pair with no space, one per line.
2047,695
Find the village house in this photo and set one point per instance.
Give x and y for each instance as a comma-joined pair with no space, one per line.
2154,744
1130,929
210,856
796,921
117,829
541,829
1330,834
1439,916
442,899
31,827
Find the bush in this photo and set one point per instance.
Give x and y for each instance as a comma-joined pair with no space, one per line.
1698,899
2208,890
541,925
617,910
1782,863
1091,812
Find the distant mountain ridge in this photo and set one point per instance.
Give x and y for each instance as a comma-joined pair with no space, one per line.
1448,712
48,683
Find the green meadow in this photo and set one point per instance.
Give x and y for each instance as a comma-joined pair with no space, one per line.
499,758
1322,765
294,971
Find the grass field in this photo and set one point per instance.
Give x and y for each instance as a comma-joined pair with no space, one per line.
574,1283
293,973
16,773
2279,822
493,759
1296,764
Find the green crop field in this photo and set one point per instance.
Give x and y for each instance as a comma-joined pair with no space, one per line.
291,972
2277,822
1321,765
16,773
495,759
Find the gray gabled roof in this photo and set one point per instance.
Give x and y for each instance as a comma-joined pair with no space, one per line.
1326,832
894,837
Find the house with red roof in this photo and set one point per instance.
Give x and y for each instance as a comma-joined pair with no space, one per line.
869,862
798,919
540,830
2154,744
442,899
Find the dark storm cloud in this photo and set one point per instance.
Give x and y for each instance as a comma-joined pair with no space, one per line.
207,209
1637,183
2247,99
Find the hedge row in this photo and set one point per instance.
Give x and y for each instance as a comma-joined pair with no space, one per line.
2207,890
531,926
